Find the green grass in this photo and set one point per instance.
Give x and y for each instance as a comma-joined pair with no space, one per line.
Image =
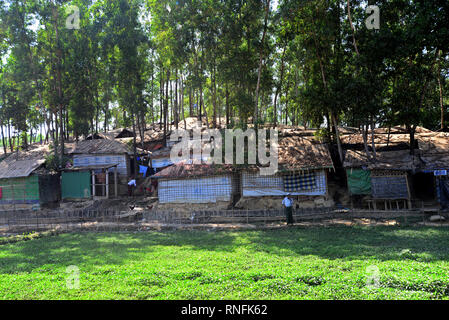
296,263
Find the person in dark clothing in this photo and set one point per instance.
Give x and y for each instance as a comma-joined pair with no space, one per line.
131,185
288,205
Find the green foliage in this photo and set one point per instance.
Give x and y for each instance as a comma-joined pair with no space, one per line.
125,69
53,162
295,263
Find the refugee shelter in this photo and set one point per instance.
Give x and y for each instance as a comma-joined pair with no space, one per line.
97,182
186,182
303,167
160,159
97,156
111,135
387,178
25,184
435,156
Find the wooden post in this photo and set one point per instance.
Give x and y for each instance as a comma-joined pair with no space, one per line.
93,183
107,183
115,182
409,194
326,185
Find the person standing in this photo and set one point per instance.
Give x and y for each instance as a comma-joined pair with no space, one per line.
131,185
288,205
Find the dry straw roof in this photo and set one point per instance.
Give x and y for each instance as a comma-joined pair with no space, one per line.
186,169
435,150
386,160
296,152
101,146
435,142
113,134
300,153
380,139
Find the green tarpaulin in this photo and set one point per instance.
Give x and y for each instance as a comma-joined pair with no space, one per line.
359,181
76,185
20,190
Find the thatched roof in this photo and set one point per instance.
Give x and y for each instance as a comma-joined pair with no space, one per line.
186,169
435,142
101,147
300,153
434,150
380,139
112,134
295,153
387,160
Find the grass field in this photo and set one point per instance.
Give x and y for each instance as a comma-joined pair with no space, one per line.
296,263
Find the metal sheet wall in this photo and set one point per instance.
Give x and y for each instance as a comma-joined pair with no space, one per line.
76,185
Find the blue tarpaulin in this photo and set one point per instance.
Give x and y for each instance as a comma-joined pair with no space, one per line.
143,170
294,183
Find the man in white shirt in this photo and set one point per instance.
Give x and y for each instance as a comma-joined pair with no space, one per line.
288,205
131,185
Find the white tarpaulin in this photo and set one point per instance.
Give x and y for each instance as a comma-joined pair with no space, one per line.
255,185
199,190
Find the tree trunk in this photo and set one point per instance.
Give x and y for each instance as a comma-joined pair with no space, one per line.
365,141
227,105
5,150
261,57
373,145
200,112
352,28
190,102
176,112
440,91
333,117
279,88
166,108
214,98
161,98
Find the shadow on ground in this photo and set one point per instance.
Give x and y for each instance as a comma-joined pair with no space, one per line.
348,243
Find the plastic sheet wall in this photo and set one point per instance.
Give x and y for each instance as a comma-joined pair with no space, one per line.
20,190
94,160
76,185
390,187
359,181
199,190
255,185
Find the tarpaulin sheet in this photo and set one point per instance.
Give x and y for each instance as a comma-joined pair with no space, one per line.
49,188
76,185
443,192
20,190
255,185
298,182
200,190
359,181
389,187
143,170
161,163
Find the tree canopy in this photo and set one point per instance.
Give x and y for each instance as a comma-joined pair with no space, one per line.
135,62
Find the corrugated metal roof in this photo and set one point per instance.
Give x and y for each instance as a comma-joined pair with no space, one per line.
101,146
19,169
